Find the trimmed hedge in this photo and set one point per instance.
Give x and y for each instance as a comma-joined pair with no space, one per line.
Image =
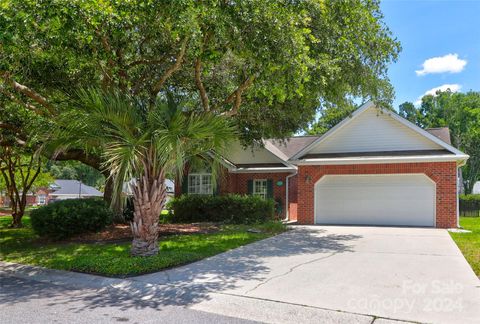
66,218
469,205
471,197
230,209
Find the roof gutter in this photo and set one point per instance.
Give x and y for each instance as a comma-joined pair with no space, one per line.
264,170
382,159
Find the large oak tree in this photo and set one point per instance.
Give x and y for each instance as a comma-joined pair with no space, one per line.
266,64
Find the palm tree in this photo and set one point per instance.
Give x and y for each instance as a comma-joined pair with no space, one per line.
146,143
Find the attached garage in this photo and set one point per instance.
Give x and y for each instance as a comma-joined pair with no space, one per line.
389,199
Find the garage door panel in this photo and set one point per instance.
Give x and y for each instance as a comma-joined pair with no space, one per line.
375,200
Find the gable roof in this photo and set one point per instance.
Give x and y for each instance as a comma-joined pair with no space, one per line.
258,157
442,144
442,133
72,188
290,146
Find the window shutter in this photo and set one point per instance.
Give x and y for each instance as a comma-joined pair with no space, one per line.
185,184
270,188
250,187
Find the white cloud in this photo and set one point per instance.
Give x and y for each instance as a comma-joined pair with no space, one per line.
452,87
441,64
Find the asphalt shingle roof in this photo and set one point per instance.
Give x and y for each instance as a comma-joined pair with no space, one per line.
73,187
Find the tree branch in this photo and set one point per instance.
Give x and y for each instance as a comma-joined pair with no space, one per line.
199,83
28,92
10,127
146,62
175,67
235,97
79,155
27,105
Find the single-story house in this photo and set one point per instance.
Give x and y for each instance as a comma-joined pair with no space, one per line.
72,189
169,184
58,190
373,168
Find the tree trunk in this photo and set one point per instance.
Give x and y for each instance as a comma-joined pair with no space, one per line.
108,197
149,197
17,219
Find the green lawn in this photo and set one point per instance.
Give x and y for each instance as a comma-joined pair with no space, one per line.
469,243
23,246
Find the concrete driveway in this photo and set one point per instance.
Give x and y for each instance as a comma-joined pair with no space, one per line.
312,274
333,274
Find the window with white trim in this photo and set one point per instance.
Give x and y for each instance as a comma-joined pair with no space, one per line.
200,184
260,188
41,199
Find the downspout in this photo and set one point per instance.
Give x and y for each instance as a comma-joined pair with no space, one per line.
287,209
458,202
459,165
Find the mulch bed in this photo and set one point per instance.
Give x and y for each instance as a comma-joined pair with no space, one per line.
122,232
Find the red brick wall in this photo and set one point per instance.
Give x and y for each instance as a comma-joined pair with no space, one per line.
237,183
293,197
443,173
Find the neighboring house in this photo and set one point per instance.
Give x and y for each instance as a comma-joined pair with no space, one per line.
33,198
72,189
59,190
476,188
128,188
373,168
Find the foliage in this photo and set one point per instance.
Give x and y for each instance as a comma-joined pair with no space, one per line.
329,117
461,113
145,143
470,197
265,63
63,219
75,170
469,243
22,246
21,168
230,209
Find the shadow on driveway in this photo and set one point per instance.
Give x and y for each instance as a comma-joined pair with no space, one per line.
185,285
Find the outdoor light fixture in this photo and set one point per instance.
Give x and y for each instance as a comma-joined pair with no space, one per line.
308,178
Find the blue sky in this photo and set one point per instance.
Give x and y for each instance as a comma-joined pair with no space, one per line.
433,30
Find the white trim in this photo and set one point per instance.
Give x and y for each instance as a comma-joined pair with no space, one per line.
263,170
333,130
375,174
382,159
287,200
460,155
201,175
423,132
254,193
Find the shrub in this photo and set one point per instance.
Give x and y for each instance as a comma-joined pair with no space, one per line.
63,219
230,209
471,197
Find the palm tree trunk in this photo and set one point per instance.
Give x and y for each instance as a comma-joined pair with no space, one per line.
148,200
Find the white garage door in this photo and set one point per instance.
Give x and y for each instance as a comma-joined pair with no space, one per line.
406,200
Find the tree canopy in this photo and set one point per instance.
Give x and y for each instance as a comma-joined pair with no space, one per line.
461,113
265,63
